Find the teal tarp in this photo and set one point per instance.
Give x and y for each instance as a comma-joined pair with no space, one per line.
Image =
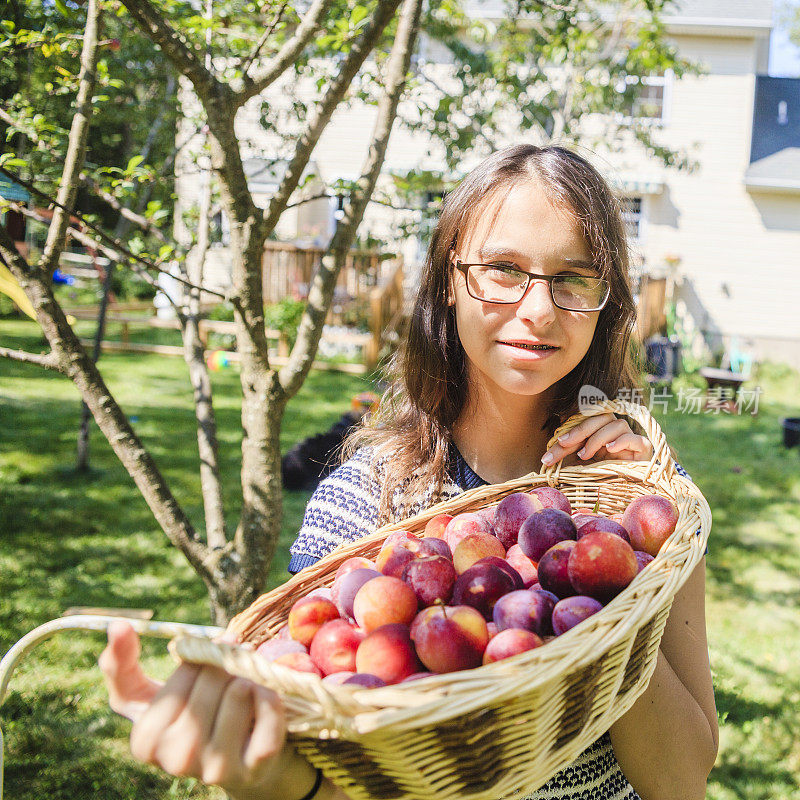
13,191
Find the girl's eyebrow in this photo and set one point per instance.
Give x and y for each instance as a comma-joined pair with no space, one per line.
579,263
493,251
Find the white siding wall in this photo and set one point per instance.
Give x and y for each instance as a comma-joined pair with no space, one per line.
740,250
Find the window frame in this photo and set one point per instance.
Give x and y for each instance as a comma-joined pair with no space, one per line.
666,81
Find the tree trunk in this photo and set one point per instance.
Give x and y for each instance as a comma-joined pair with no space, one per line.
82,461
194,355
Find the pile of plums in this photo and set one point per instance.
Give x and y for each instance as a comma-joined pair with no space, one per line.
473,589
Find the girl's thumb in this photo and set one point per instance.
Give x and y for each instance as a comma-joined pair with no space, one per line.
130,691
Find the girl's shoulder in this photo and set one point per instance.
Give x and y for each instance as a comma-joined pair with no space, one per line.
346,506
343,508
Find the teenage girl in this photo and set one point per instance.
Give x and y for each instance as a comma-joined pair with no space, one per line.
524,299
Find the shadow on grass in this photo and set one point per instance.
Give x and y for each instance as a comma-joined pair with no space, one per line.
89,539
741,770
48,731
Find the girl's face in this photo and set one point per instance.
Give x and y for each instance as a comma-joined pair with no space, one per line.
522,228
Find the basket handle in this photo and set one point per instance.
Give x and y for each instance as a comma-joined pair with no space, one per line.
661,463
93,622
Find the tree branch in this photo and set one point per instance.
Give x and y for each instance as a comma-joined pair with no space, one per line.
26,130
286,55
262,40
194,355
76,148
324,281
118,249
185,56
124,211
76,364
308,139
46,360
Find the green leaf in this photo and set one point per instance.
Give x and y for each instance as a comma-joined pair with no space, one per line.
132,164
359,13
64,9
9,160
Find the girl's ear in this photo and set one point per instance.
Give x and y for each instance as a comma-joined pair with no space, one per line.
451,270
451,296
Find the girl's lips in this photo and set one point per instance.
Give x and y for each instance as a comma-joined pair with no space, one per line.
529,353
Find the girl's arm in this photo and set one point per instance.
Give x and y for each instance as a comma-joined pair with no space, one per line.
666,744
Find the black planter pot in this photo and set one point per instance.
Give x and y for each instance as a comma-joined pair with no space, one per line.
791,431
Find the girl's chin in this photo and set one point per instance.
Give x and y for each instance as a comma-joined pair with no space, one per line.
524,384
514,379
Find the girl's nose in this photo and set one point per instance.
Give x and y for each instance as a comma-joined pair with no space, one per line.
537,305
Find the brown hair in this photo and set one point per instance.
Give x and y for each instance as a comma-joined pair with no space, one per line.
411,433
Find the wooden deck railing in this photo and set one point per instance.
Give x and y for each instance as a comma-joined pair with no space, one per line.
374,283
288,269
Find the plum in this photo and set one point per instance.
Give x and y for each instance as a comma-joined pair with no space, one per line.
601,565
510,642
527,609
542,530
431,578
650,520
553,569
510,513
572,610
481,586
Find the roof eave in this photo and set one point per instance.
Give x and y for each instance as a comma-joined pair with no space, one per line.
772,185
698,26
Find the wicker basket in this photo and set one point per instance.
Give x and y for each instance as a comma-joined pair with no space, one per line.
501,730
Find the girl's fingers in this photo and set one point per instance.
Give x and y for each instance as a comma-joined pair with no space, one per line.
630,447
249,733
129,690
585,429
608,433
181,747
149,729
223,755
572,441
269,731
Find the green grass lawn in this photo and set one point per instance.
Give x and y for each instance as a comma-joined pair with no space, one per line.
67,540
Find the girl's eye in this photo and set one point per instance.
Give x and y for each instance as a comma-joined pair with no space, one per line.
577,275
504,267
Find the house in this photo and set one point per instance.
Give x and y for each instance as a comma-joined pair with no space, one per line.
727,234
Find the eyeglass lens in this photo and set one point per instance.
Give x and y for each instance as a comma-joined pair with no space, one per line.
572,292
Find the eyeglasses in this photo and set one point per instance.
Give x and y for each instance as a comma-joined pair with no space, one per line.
501,283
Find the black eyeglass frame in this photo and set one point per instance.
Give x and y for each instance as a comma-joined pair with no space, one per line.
530,276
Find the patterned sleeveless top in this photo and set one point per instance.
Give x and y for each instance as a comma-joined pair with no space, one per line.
344,508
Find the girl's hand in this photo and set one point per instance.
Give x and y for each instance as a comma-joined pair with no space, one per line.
204,723
599,438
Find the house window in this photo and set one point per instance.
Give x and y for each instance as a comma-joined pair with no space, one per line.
219,231
649,96
632,217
